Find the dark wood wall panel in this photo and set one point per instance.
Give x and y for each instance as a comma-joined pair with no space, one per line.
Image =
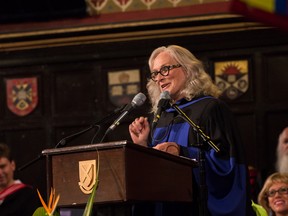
276,77
74,89
247,124
74,93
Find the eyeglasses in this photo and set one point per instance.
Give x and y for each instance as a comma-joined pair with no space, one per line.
164,71
281,191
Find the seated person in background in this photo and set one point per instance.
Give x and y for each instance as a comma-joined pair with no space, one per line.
274,194
282,152
16,198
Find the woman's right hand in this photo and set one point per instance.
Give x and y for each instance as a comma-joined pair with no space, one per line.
139,130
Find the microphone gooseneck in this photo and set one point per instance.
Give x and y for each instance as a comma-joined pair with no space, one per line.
163,104
137,101
63,141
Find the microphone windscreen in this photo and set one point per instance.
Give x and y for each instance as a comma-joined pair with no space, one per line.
138,100
165,95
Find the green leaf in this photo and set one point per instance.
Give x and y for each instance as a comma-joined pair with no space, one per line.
40,211
90,202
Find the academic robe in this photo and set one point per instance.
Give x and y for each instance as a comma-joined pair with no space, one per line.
21,202
227,178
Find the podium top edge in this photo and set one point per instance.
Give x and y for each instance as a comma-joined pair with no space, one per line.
86,147
118,144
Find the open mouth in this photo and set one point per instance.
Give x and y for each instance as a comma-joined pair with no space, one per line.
279,202
164,86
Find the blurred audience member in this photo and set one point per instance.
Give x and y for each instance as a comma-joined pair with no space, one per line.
16,198
274,194
254,183
282,152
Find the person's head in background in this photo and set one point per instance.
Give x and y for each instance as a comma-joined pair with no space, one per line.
7,167
282,152
274,194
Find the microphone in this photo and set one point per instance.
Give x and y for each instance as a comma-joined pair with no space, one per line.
138,100
163,103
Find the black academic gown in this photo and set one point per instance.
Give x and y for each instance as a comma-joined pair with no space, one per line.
21,203
226,171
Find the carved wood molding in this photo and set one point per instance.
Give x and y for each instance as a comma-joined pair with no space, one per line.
197,20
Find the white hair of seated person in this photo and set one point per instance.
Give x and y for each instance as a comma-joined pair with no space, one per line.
282,152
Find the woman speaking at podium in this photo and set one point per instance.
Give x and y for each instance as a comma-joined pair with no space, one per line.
190,89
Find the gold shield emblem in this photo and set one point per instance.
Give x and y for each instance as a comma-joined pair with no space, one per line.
87,175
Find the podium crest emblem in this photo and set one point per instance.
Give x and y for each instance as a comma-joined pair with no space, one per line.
22,95
87,175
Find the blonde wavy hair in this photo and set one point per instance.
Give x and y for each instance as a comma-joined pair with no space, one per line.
272,179
198,81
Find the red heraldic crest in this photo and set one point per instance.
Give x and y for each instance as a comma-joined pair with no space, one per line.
22,95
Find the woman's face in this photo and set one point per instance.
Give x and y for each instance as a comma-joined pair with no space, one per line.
279,201
175,81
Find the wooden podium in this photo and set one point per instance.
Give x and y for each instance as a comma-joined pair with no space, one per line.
128,172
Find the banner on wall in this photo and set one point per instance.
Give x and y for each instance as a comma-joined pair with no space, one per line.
123,86
22,95
232,78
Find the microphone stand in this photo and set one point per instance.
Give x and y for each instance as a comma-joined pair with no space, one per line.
30,162
63,141
116,123
201,146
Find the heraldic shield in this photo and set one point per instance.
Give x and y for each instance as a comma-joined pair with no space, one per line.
232,77
22,95
123,86
87,175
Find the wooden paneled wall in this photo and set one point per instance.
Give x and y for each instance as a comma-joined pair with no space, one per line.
73,92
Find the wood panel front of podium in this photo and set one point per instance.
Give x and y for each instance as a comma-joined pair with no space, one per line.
128,172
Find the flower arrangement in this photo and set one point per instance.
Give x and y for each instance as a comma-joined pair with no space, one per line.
50,208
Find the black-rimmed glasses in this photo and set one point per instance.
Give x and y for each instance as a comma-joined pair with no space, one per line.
164,71
282,190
